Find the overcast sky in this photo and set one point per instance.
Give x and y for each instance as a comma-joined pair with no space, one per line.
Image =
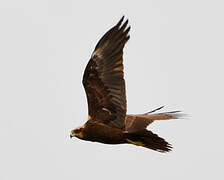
174,58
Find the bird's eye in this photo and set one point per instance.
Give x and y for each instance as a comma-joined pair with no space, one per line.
77,131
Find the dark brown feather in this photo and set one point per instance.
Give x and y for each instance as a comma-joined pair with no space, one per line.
149,140
103,78
100,132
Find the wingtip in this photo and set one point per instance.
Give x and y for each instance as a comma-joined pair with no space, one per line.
155,110
120,21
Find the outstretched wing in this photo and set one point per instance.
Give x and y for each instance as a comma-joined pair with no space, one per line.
103,78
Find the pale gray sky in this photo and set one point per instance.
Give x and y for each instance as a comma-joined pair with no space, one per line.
174,58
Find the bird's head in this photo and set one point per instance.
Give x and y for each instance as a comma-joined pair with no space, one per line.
77,132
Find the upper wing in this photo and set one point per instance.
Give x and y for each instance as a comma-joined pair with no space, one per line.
103,78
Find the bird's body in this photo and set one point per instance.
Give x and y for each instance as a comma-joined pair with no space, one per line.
99,132
104,84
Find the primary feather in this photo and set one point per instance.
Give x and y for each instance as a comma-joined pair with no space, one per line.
103,78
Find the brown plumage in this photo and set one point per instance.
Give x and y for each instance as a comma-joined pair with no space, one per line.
104,84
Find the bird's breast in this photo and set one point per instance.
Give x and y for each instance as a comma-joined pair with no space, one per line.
100,132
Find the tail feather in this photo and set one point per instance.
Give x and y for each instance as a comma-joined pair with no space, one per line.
137,134
165,115
149,140
138,122
155,110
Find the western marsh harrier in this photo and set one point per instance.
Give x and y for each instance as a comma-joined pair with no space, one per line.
104,84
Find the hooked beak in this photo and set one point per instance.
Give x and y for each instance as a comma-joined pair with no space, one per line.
72,134
77,133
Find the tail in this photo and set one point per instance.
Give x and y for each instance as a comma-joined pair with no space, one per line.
149,140
164,115
138,122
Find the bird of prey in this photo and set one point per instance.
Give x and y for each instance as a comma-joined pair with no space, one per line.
104,85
